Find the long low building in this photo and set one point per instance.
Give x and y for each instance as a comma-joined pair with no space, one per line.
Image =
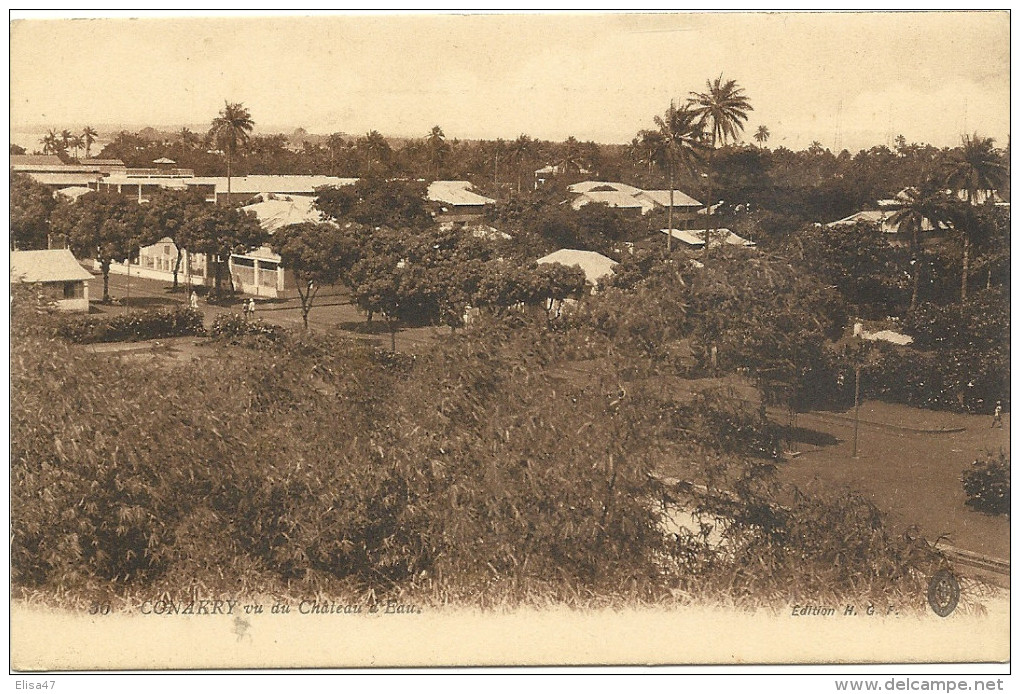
628,198
695,238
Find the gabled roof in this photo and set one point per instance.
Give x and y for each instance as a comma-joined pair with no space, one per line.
595,265
588,186
717,237
613,198
73,192
661,197
877,217
64,179
162,181
456,193
298,185
277,212
56,265
19,161
103,162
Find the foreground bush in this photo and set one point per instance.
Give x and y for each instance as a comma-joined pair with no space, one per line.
140,325
231,326
986,484
467,475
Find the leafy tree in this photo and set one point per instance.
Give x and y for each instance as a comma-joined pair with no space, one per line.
974,169
166,216
377,202
16,149
374,153
221,231
857,261
230,130
761,135
103,226
31,207
317,254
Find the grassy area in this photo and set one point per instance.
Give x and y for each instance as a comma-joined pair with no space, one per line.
913,477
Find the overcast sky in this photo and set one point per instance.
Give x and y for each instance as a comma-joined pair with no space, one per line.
851,79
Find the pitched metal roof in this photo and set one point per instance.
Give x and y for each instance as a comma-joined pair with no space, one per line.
588,186
613,198
717,237
456,193
64,179
19,161
298,185
661,197
595,265
55,265
277,212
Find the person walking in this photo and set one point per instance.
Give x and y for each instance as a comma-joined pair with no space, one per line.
251,309
997,414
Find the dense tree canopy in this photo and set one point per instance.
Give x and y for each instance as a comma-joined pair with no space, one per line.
106,227
31,206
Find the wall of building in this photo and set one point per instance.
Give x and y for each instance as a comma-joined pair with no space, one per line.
66,296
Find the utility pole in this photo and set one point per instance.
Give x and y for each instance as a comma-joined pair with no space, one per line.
857,405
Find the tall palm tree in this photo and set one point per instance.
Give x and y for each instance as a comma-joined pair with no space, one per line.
926,203
230,129
521,150
437,146
65,138
761,136
76,144
723,108
973,168
88,136
50,142
677,143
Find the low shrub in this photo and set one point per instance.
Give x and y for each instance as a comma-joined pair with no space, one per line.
986,484
141,325
232,326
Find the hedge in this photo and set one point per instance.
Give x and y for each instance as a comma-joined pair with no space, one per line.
129,327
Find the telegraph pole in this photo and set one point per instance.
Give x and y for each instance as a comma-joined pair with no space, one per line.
857,404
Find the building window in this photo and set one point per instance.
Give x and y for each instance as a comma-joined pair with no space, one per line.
73,290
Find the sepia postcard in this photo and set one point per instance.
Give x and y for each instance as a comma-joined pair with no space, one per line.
477,339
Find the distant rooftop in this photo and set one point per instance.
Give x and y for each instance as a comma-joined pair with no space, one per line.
595,265
457,193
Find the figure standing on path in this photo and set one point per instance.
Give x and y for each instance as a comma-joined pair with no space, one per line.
997,414
194,300
251,309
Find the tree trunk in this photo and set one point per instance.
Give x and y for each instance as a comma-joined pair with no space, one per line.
105,265
177,267
217,283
